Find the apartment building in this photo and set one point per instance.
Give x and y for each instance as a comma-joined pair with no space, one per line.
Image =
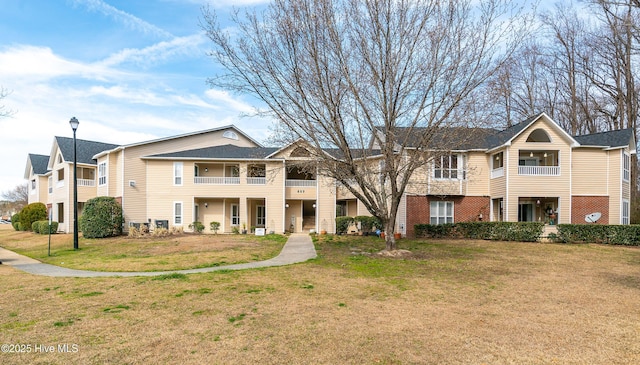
533,171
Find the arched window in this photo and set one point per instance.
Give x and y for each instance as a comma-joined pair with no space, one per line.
230,135
538,135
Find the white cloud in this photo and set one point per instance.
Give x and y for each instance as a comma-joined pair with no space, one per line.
162,51
125,18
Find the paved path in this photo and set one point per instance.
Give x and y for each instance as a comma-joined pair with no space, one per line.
299,248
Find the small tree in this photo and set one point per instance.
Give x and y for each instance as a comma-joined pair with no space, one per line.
32,213
101,217
215,226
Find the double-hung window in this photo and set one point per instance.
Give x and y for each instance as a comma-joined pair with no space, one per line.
177,213
625,211
102,174
449,167
626,167
441,212
177,173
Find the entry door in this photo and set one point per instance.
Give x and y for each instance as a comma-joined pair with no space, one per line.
261,216
525,212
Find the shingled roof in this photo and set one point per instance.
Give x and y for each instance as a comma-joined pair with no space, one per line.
227,151
617,138
39,163
86,149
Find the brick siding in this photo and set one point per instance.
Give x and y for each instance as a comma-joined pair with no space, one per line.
583,205
465,209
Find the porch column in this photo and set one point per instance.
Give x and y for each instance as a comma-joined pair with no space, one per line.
244,210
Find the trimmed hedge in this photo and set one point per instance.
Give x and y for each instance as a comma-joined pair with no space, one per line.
628,235
101,217
342,224
368,222
31,213
42,227
498,231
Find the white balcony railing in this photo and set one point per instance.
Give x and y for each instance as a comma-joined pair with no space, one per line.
300,183
59,183
211,180
86,182
256,180
499,172
539,170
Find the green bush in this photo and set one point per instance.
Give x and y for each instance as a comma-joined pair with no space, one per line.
42,227
500,231
628,235
31,213
215,226
197,227
368,222
435,230
342,224
15,219
101,217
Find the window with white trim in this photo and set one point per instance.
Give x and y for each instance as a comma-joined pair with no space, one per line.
626,167
177,213
449,167
102,174
625,212
50,184
441,212
177,173
235,215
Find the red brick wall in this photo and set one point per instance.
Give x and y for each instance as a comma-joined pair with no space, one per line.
583,205
465,209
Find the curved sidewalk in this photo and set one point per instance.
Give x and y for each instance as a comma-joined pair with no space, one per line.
299,248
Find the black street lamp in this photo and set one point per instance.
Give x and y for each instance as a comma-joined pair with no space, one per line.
74,125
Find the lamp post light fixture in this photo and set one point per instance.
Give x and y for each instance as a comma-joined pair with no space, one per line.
74,125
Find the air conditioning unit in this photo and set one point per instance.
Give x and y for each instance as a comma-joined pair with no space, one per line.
132,183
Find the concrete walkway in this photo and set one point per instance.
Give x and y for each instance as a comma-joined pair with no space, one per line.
299,248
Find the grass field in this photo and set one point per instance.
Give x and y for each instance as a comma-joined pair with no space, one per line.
450,302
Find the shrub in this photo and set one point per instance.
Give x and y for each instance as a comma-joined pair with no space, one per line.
342,224
197,227
367,222
15,219
102,217
42,227
501,231
600,233
31,213
215,226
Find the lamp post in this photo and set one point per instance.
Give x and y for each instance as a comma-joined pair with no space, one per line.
74,125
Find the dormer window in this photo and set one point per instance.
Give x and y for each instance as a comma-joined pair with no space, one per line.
230,135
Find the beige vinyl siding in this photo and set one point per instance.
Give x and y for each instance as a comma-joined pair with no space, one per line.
590,175
540,186
219,197
478,173
134,198
326,205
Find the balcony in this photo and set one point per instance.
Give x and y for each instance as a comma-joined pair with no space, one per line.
256,181
86,182
212,180
291,183
539,170
498,172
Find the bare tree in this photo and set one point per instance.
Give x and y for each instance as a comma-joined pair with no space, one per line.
18,195
4,112
349,75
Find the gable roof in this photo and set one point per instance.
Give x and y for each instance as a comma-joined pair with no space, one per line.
227,151
85,149
38,163
231,126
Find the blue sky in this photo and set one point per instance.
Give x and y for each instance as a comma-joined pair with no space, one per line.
130,71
